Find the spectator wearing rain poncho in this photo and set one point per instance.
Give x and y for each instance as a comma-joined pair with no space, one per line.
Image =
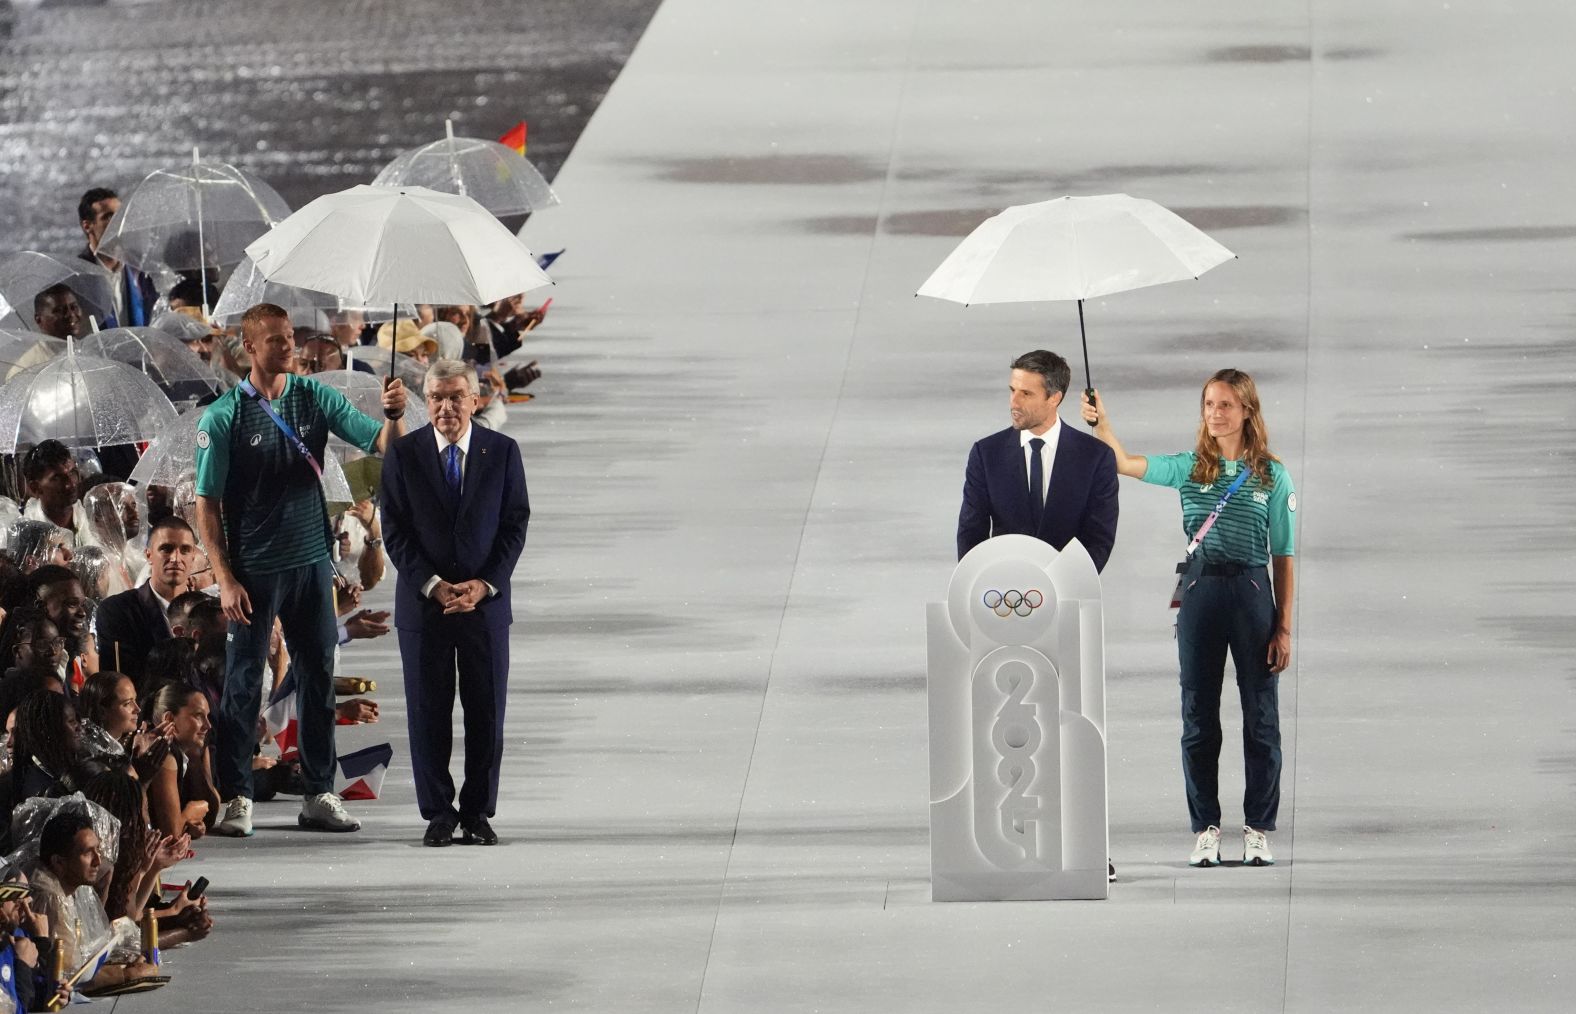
55,486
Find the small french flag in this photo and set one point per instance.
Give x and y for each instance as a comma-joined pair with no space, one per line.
361,773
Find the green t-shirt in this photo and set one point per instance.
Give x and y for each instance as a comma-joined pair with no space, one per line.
1256,523
275,517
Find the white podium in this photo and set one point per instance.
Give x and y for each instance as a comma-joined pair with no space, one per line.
1017,726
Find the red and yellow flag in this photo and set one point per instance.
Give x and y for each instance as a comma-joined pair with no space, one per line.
515,137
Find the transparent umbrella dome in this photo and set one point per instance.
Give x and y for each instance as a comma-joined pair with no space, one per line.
411,373
496,176
25,274
192,216
365,391
171,461
180,373
82,401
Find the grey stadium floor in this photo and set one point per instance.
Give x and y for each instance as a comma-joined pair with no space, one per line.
745,460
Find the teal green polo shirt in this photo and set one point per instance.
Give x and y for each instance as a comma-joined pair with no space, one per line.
1258,522
275,516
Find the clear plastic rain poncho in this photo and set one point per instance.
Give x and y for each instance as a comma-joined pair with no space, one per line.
21,349
101,572
494,175
32,543
82,401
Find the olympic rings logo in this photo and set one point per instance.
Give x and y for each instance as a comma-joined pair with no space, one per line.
1012,602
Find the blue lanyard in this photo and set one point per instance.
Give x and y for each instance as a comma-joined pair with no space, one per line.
284,427
1209,522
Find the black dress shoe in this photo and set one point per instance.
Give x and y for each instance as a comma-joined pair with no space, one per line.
440,831
476,831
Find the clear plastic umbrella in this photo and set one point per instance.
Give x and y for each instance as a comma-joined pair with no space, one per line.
365,392
180,373
411,373
307,307
21,349
25,274
171,461
82,401
494,175
192,217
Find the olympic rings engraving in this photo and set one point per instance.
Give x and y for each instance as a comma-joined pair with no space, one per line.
1013,602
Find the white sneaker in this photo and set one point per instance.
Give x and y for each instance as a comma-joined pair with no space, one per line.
237,819
1206,851
1256,848
325,812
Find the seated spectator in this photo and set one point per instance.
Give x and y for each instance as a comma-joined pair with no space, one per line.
101,575
36,544
131,623
194,615
33,642
359,548
141,858
54,481
319,355
26,952
181,796
47,745
57,313
108,711
408,340
61,595
451,343
69,864
170,661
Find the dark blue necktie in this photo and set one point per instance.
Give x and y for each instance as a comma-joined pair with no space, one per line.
1036,478
451,468
134,308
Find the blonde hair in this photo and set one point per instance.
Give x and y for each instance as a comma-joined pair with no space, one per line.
1255,435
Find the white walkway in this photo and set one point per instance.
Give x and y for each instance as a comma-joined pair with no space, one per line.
745,460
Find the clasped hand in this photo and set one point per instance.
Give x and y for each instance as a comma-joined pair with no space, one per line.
459,598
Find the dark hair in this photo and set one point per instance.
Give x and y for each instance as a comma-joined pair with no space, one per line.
97,695
24,618
1052,368
171,697
13,583
174,521
92,197
169,661
181,608
40,732
19,686
101,479
120,794
43,456
59,833
190,292
54,292
49,575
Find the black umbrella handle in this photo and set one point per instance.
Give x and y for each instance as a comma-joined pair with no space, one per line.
1084,337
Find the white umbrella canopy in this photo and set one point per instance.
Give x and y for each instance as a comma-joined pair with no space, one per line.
496,176
1073,248
377,246
82,401
192,217
180,373
26,273
307,307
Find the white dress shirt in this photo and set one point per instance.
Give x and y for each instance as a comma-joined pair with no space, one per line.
1047,455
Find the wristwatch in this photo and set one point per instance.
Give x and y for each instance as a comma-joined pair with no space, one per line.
373,543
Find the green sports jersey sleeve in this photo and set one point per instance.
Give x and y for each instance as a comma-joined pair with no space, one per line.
344,419
213,446
1169,469
1283,514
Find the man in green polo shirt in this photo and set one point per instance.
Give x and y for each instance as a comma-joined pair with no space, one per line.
264,523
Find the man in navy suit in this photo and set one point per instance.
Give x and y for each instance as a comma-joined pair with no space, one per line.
454,518
1039,477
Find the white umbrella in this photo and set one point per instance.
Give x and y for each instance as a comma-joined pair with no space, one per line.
1073,248
386,245
496,176
376,246
308,308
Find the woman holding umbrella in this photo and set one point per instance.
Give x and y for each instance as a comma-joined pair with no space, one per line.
1238,509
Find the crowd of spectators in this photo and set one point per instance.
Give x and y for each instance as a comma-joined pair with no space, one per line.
113,641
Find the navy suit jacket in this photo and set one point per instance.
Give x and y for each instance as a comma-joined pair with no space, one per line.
1081,503
129,624
428,532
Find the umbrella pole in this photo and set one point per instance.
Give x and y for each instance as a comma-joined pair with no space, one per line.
202,254
393,341
1084,337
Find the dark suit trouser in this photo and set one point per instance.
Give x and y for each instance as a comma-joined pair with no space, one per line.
465,646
